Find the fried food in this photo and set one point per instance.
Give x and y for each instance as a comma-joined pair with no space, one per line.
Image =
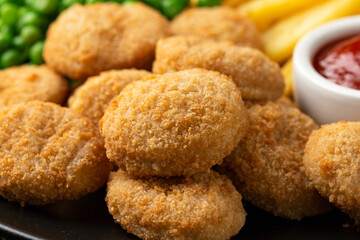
27,83
332,162
257,77
49,153
92,98
174,124
202,207
217,23
88,39
267,168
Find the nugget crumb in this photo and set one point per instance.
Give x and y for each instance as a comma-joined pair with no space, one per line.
28,83
92,98
332,162
88,39
174,124
202,207
49,153
267,167
217,23
256,75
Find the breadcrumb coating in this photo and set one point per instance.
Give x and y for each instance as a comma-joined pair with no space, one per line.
256,75
92,98
49,153
201,207
88,39
174,124
217,23
28,83
332,162
267,165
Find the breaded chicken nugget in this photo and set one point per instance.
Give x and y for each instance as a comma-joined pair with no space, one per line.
92,98
28,83
267,165
201,207
217,23
174,124
88,39
332,162
257,76
49,153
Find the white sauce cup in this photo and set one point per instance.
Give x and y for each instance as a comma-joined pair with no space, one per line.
323,100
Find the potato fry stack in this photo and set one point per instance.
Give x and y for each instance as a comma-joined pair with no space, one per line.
284,22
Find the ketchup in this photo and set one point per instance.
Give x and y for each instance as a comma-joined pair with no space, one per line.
339,62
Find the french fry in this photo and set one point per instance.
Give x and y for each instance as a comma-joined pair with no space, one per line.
265,12
280,40
233,3
194,3
287,72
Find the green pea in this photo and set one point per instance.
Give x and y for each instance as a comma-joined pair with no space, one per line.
33,18
35,53
4,1
24,10
93,1
153,3
64,4
128,2
9,13
5,41
6,28
209,3
47,7
19,42
10,57
31,34
170,8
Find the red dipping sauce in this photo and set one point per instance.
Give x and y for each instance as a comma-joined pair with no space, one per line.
339,62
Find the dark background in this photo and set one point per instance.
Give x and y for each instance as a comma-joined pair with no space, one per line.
88,218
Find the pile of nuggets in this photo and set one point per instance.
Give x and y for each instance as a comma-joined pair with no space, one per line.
178,147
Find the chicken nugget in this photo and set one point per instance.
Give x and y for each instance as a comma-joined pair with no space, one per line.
203,207
92,98
332,162
267,167
256,75
88,39
217,23
28,83
174,124
49,153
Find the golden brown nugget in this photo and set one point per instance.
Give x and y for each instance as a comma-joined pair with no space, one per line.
267,165
92,98
27,83
49,153
88,39
257,76
332,162
217,23
202,207
174,124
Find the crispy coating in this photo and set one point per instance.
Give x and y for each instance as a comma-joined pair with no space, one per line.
332,162
92,98
267,165
174,124
201,207
28,83
257,76
88,39
217,23
49,153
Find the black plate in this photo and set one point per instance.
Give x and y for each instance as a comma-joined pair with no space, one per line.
88,218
